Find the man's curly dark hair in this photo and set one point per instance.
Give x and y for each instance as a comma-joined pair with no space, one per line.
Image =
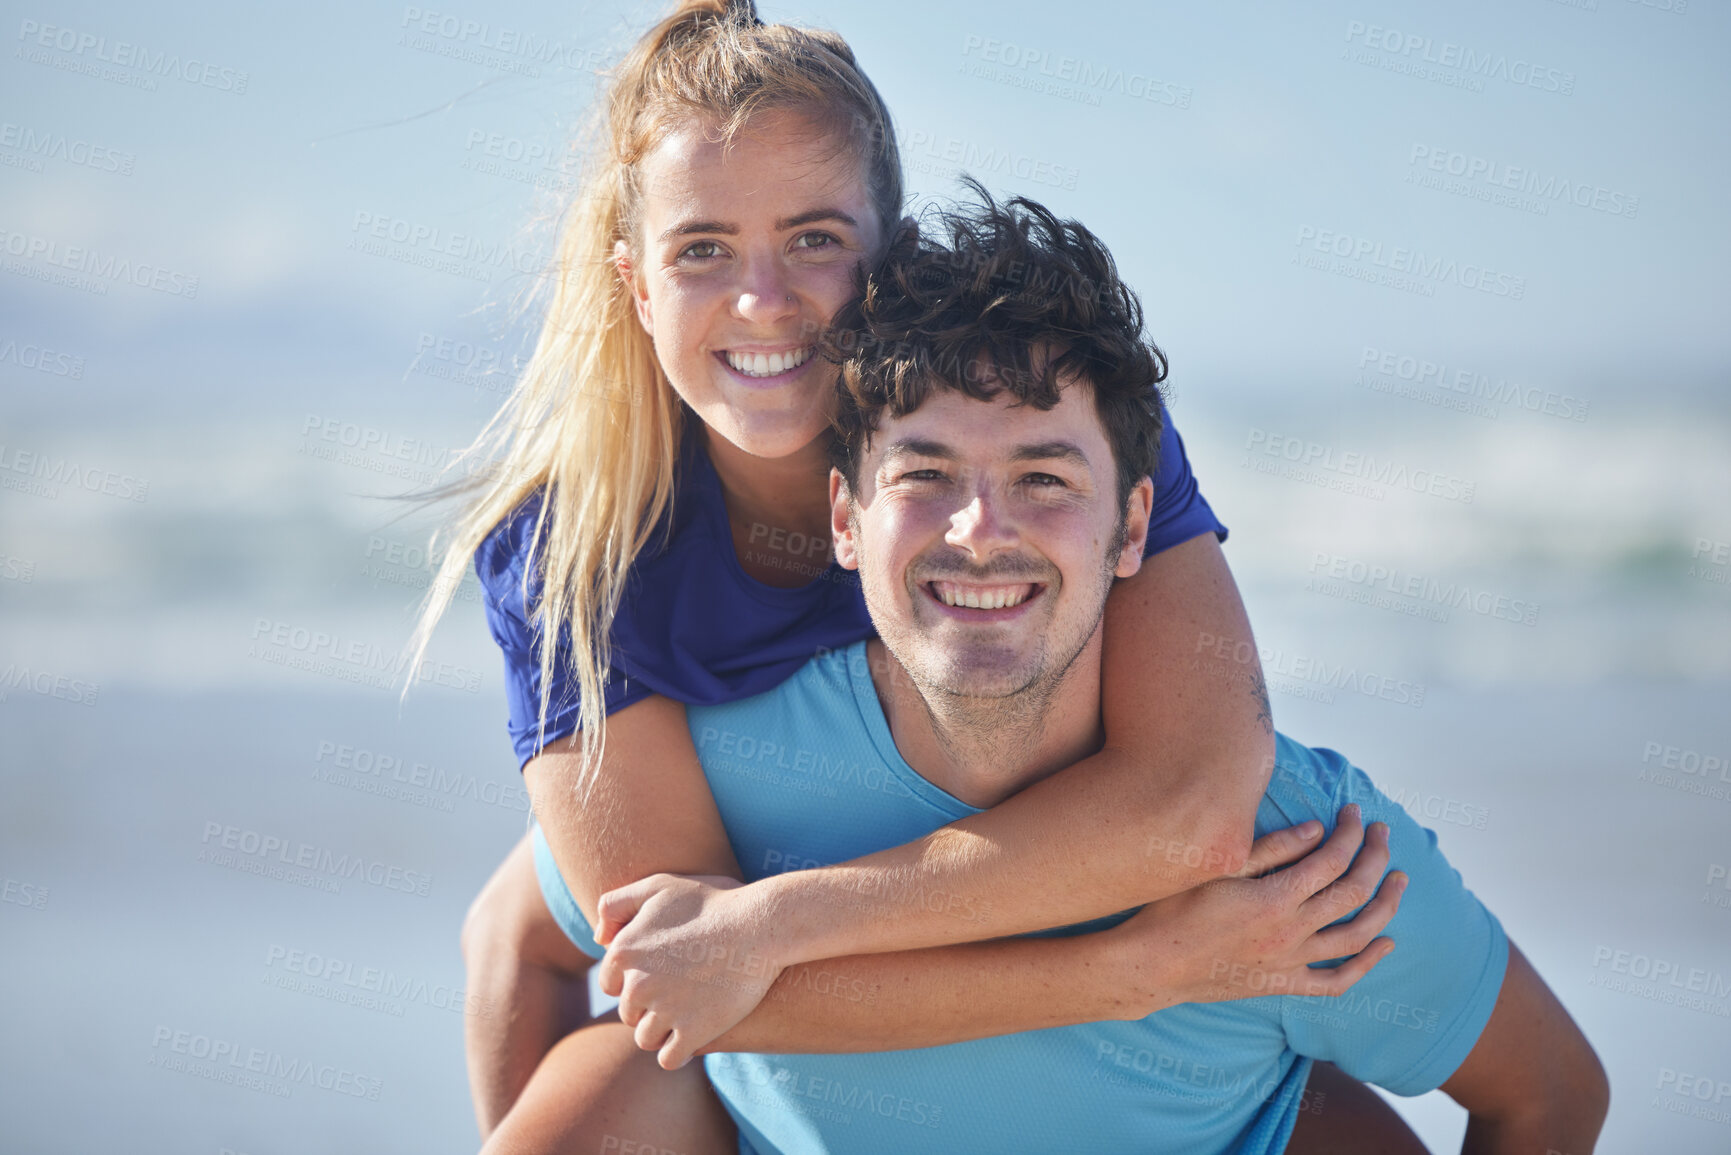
981,309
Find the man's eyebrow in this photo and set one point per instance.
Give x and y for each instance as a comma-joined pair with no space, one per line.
1052,451
917,447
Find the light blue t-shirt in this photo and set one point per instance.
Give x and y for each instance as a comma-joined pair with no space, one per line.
807,774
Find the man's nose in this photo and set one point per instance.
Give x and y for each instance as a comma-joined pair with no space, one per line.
983,527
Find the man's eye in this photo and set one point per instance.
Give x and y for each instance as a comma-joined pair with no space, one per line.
702,250
1043,479
923,475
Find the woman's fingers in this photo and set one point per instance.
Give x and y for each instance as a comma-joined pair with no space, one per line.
1331,982
1350,938
1281,847
1326,863
1353,889
650,1034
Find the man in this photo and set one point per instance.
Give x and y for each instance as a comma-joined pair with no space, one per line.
990,484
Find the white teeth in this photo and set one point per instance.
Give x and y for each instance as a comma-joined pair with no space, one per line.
991,599
768,365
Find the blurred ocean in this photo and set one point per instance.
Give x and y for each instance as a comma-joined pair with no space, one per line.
1485,541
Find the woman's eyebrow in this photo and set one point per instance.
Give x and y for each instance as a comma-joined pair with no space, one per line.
690,227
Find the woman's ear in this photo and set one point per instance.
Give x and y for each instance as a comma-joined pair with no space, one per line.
639,292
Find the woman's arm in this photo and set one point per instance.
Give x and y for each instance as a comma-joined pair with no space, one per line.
649,809
1168,803
1223,940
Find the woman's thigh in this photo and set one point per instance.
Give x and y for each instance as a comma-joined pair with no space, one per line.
596,1091
1342,1116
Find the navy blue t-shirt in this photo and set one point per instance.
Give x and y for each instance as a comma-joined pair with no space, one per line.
694,626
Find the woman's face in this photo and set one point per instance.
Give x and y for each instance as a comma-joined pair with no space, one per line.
745,251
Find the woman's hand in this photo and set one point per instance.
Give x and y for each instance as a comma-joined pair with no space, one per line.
1247,936
688,957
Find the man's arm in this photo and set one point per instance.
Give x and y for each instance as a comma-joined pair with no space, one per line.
1532,1082
1169,803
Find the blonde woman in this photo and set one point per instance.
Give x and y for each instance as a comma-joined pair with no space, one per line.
646,539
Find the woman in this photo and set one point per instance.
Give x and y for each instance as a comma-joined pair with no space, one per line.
748,172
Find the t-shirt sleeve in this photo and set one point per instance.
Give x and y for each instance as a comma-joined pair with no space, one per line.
1411,1022
499,566
1180,511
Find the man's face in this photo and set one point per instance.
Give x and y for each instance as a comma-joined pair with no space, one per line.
987,536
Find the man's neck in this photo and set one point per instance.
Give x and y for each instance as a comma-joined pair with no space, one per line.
982,750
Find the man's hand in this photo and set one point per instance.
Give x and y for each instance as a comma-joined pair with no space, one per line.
1247,936
688,957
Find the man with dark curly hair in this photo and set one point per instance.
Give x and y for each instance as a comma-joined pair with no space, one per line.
997,428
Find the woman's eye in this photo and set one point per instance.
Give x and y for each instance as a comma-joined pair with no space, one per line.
816,240
702,250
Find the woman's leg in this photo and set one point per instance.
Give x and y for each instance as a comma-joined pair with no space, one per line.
596,1092
1342,1116
527,986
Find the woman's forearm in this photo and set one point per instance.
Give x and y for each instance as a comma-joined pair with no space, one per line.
1170,802
928,998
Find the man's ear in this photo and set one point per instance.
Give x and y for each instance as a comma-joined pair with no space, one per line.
840,529
639,292
1136,512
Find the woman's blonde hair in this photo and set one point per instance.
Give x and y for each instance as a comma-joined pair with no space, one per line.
593,422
